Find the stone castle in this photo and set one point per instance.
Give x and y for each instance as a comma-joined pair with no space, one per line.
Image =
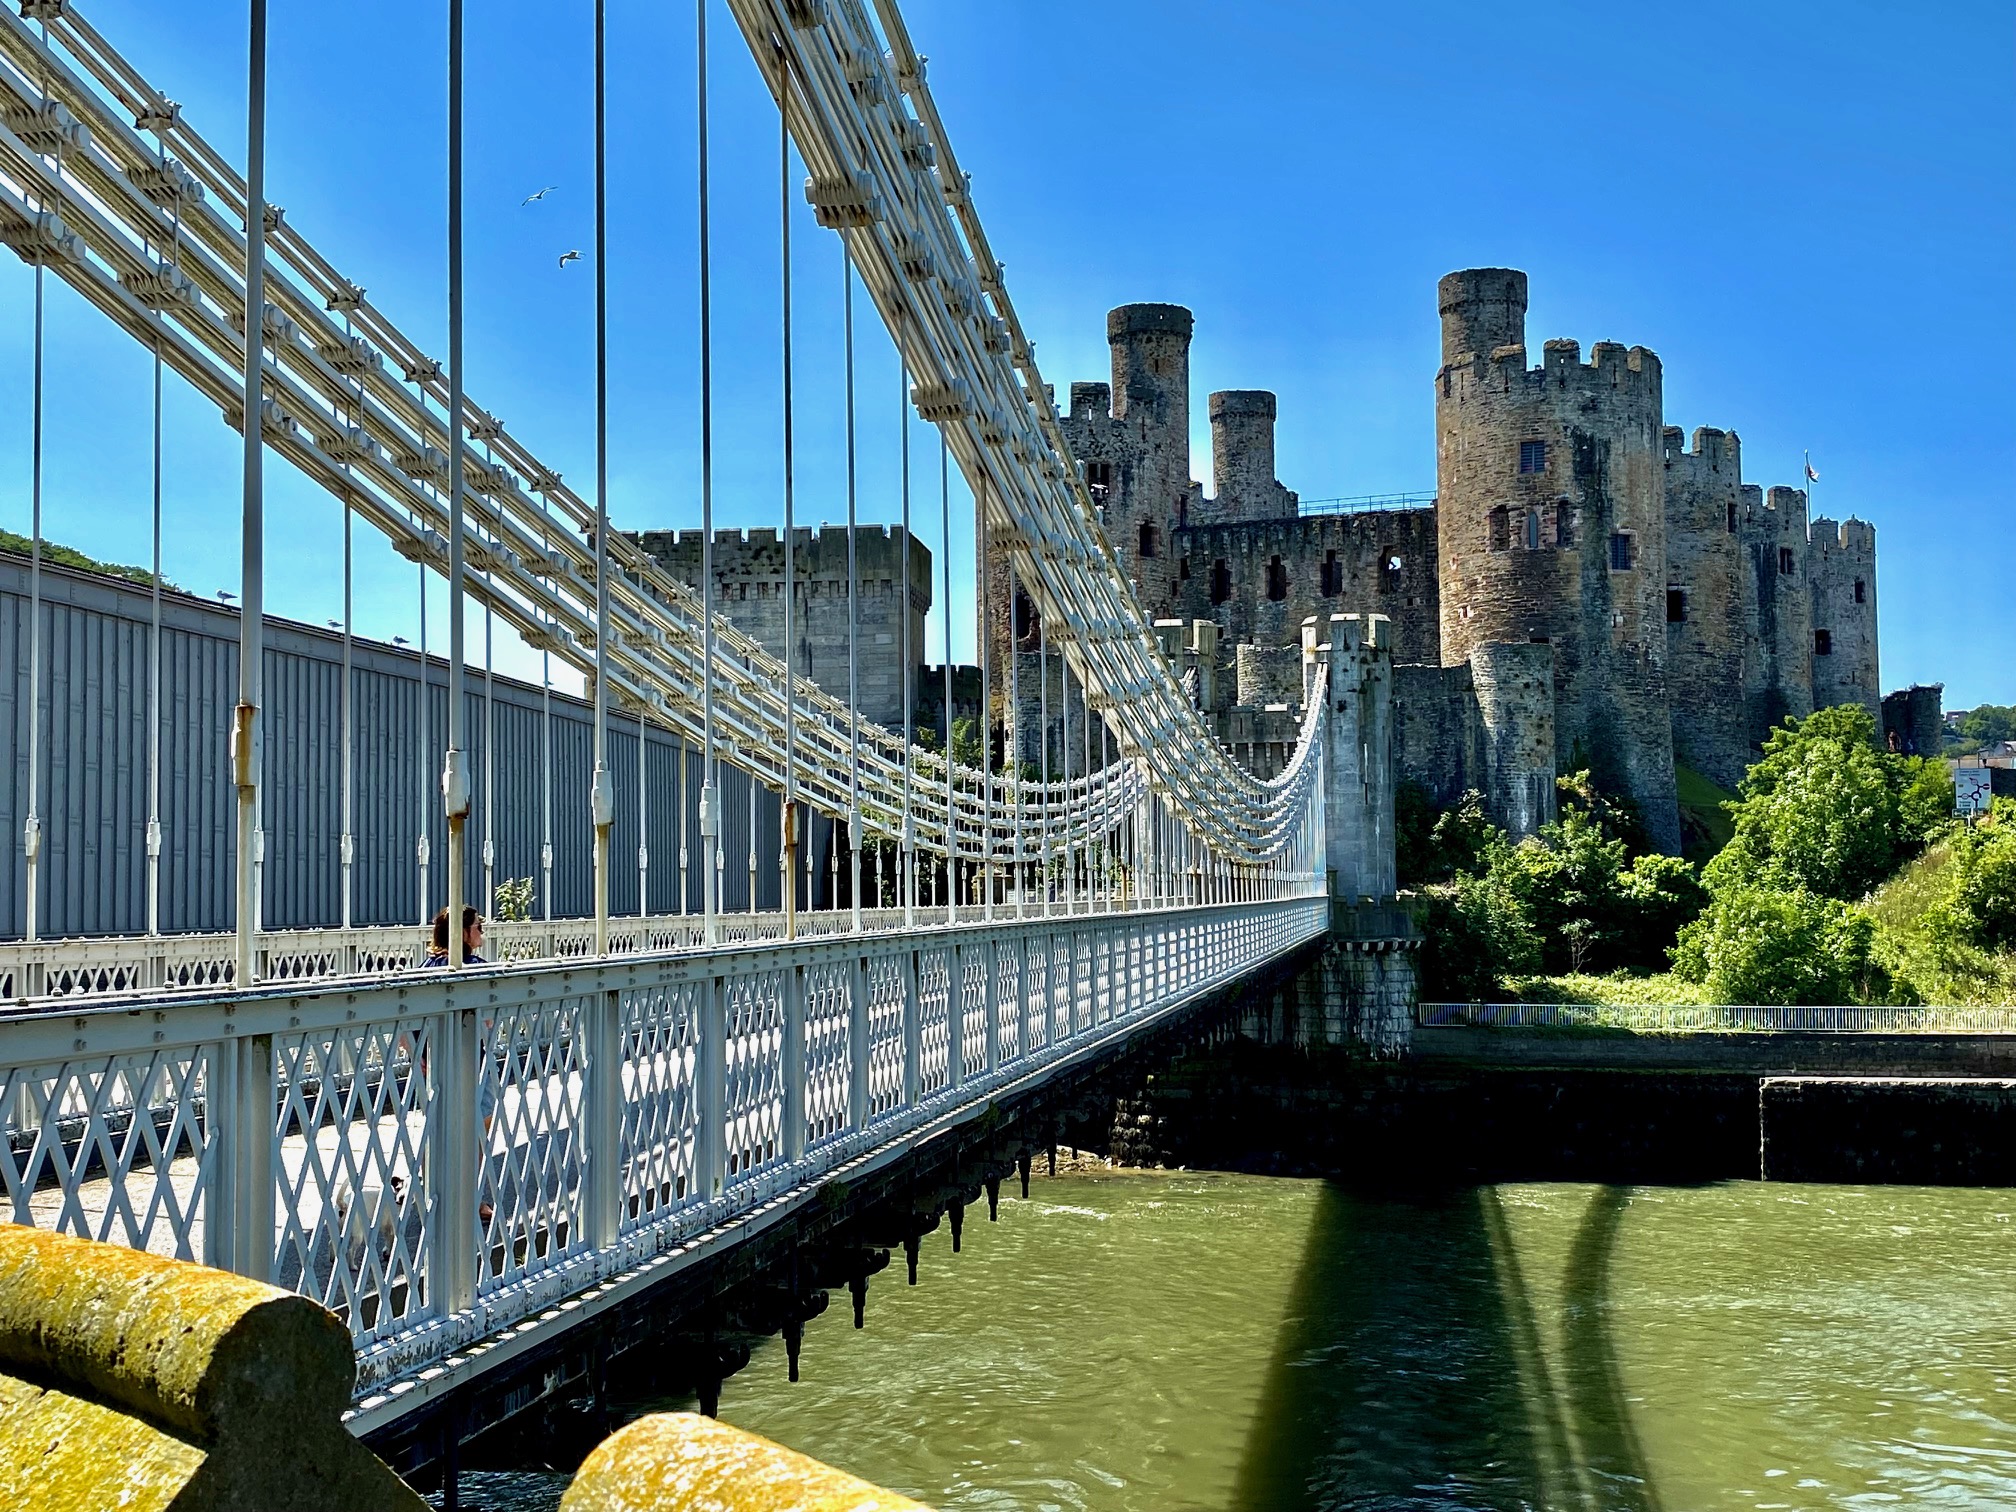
1586,589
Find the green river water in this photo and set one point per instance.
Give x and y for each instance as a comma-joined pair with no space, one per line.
1130,1341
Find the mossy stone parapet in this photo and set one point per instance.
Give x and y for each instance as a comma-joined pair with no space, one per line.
136,1381
681,1462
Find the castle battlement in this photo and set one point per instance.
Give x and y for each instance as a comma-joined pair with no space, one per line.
1611,365
1850,537
820,553
1715,451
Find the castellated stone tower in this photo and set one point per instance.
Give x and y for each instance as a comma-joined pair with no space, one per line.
1706,598
1243,485
1551,528
1778,679
1841,569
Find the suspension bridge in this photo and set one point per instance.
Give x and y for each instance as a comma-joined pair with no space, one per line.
872,940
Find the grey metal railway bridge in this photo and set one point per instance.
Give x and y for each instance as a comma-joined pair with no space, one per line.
467,1161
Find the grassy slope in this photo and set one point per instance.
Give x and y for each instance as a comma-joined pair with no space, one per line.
1945,973
1704,823
1621,989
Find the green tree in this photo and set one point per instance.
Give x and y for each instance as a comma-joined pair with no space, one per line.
1476,930
1824,811
1778,945
1989,723
1980,905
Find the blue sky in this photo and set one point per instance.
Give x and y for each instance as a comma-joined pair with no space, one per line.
1807,211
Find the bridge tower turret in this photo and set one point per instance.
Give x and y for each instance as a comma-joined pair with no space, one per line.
1551,527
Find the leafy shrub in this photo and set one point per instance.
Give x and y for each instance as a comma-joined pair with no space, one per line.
1476,931
1824,811
1778,945
514,898
1980,906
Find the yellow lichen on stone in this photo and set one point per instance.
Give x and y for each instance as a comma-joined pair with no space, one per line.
136,1382
681,1462
193,1349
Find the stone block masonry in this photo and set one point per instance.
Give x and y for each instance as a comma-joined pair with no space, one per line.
749,590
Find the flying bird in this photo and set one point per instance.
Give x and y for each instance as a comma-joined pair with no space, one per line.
567,257
541,194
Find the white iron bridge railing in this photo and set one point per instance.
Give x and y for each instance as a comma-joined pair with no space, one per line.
63,972
1705,1017
439,1157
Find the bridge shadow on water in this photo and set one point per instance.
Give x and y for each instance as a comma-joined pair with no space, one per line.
1420,1365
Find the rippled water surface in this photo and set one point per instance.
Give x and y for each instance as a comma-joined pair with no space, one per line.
1165,1341
1144,1341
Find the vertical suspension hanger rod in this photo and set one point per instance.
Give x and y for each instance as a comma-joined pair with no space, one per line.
454,771
601,797
246,735
710,797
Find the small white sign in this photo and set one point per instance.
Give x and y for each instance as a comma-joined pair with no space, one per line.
1972,789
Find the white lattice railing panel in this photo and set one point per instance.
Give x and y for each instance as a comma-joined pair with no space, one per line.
660,1036
934,991
754,1090
529,1179
887,986
353,1194
828,1047
115,1148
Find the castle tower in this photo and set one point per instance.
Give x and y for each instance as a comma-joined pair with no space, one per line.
1841,574
1551,527
1779,686
1243,486
1705,620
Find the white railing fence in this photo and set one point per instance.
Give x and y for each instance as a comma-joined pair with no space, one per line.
1699,1017
437,1156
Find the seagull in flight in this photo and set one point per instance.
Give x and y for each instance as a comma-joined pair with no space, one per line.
567,257
540,195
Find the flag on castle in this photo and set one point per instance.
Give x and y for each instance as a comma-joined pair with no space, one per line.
1811,476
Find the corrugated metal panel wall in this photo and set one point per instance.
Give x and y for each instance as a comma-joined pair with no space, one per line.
94,776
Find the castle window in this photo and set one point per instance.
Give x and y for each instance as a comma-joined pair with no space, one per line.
1221,581
1532,456
1823,642
1501,529
1183,570
1277,580
1099,479
1151,540
1025,615
1732,517
1861,591
1785,560
1333,575
1620,552
1532,530
1389,575
1564,523
1676,606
